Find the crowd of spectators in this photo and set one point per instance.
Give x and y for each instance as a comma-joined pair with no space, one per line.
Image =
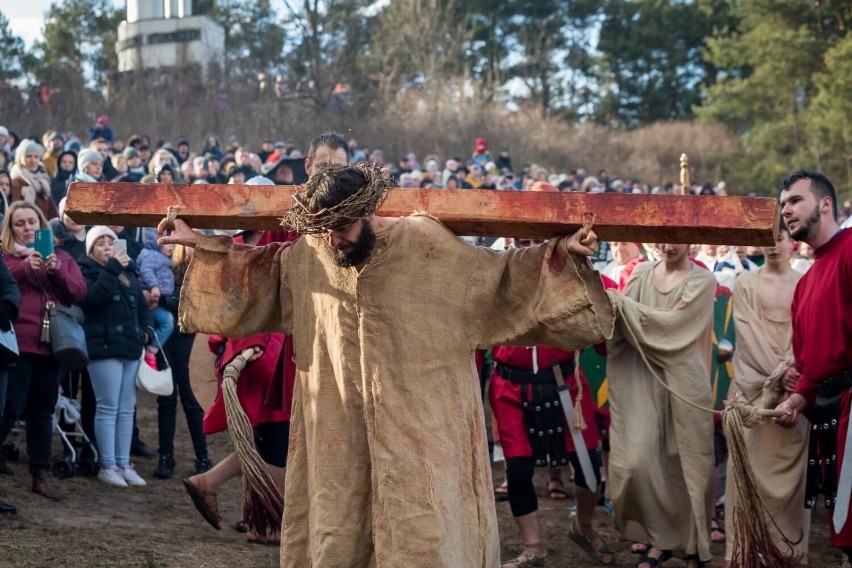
35,174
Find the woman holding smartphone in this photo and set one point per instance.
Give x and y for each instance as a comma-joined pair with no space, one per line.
118,325
34,382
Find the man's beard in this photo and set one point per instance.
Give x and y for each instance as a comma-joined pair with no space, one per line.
362,249
804,229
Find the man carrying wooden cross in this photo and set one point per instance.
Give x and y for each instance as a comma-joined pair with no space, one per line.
388,461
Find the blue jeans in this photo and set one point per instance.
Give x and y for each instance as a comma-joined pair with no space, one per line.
114,383
164,325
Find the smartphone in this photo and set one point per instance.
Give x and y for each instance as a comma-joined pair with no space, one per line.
120,247
43,243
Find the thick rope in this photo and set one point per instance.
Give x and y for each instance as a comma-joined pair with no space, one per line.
753,544
263,503
171,215
662,383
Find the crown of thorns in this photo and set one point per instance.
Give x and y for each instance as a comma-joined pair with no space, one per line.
360,205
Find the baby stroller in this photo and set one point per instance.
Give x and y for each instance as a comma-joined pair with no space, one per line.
74,439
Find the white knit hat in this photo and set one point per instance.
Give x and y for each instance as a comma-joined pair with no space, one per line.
95,233
27,147
86,157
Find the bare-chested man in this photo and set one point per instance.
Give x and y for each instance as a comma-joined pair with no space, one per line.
765,374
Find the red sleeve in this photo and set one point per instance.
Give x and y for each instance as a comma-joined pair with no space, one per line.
804,386
68,282
626,272
235,346
215,342
277,237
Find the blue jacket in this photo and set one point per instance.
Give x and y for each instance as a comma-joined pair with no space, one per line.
155,270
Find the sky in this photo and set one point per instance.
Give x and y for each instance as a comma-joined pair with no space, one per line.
26,17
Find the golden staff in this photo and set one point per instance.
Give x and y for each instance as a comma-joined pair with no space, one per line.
684,174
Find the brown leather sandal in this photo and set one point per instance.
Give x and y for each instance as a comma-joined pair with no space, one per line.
601,554
204,500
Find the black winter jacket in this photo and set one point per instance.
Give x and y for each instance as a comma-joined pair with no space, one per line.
117,316
10,297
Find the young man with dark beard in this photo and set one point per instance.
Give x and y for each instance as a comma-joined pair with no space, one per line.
822,324
388,461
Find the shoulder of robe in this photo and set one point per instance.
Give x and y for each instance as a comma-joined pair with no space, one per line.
422,221
423,227
642,267
746,278
702,277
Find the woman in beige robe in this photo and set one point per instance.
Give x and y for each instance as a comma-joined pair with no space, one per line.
661,463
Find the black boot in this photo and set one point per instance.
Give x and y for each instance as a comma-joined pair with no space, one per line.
202,465
4,468
7,508
140,449
165,467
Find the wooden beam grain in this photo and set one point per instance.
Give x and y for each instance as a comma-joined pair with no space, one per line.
618,217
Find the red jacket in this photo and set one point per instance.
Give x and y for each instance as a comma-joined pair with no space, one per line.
264,396
64,286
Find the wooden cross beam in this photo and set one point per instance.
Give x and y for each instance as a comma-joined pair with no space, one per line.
617,217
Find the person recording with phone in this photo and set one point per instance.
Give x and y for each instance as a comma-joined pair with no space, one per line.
118,325
43,275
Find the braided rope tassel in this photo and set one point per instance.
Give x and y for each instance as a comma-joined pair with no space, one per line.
753,545
263,503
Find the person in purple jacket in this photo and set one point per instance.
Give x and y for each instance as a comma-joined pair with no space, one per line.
34,382
158,279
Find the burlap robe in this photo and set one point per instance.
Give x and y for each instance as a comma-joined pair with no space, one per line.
777,456
388,462
661,461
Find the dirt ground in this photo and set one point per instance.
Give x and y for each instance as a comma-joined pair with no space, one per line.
157,526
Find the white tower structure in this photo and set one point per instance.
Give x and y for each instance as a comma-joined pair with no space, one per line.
165,33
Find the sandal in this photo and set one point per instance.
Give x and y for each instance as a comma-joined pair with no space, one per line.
652,562
600,554
694,558
501,492
204,500
556,490
717,531
240,527
525,559
639,548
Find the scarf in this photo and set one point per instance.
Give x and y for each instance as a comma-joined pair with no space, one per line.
83,176
22,250
37,183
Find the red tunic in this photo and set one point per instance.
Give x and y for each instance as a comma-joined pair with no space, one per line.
258,386
822,334
505,398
